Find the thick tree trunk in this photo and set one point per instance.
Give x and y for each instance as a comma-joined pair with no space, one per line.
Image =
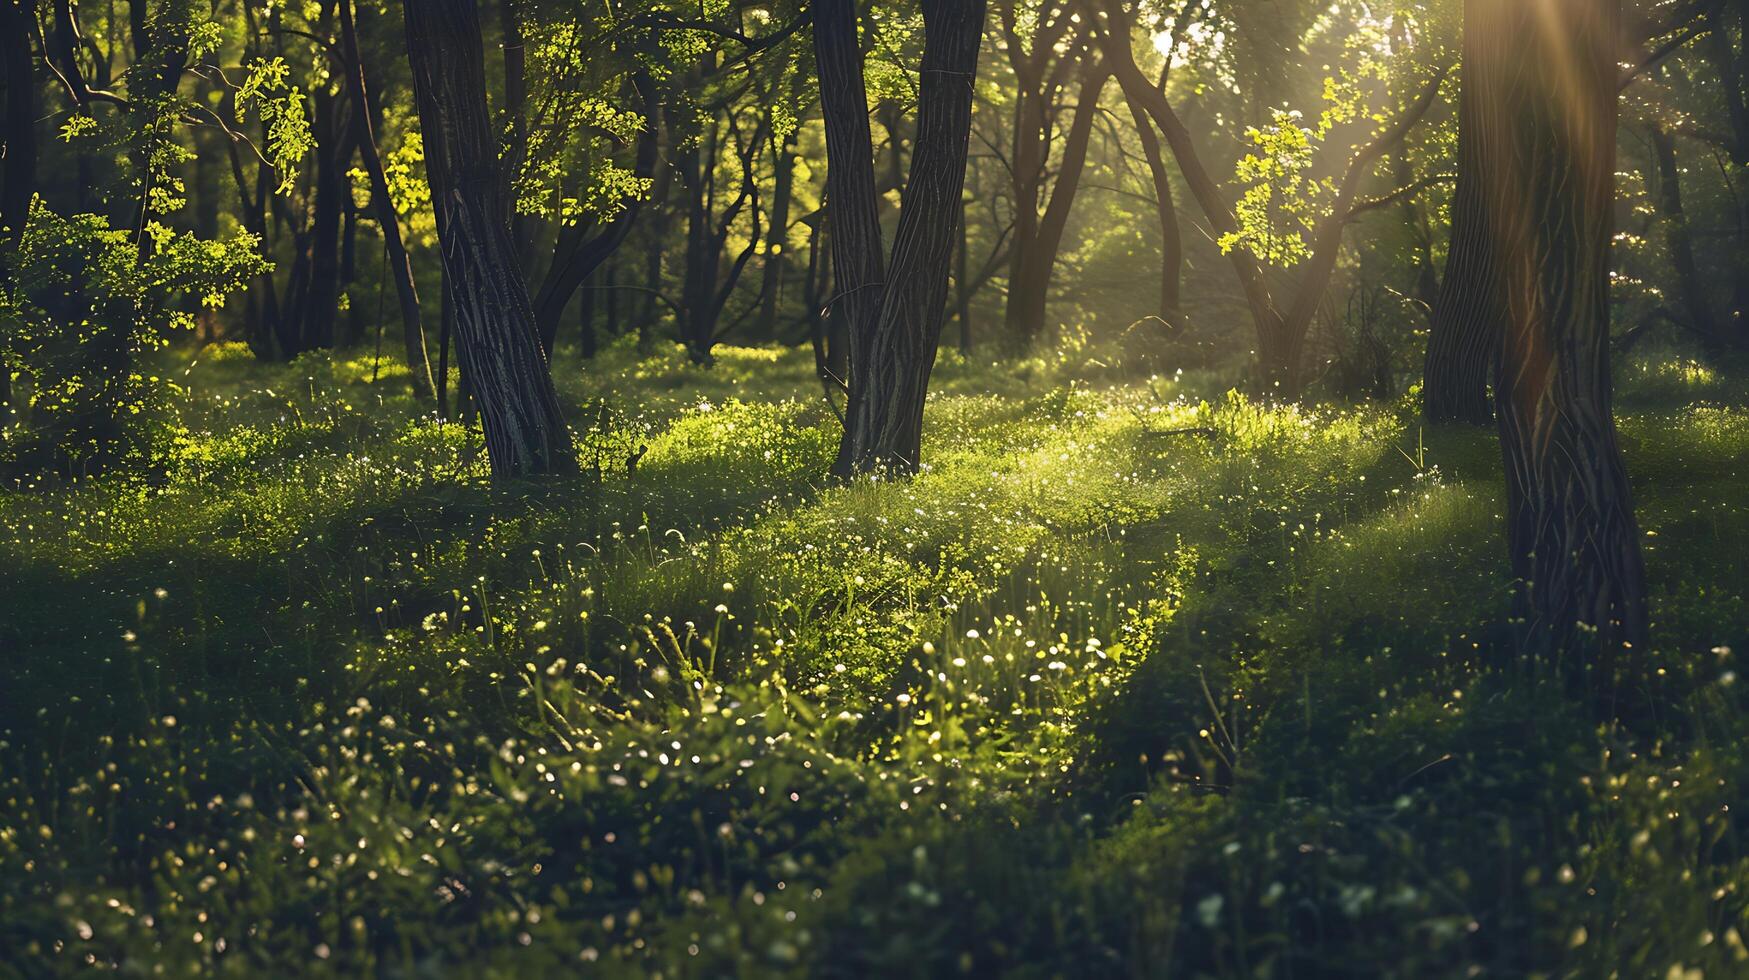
400,264
892,353
499,347
852,203
18,176
1545,78
18,180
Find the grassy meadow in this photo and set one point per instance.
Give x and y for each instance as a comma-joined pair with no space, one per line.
1141,677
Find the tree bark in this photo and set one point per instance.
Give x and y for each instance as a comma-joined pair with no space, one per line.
400,264
18,181
499,347
1041,72
852,203
893,349
321,297
1469,314
1545,80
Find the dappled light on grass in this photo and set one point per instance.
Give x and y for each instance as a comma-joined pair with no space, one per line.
1131,672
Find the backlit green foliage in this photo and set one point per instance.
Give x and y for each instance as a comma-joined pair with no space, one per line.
89,301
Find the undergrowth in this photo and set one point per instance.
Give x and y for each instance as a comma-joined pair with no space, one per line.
1139,676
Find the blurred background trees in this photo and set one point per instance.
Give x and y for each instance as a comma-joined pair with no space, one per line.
1267,189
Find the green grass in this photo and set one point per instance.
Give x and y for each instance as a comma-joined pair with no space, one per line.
1084,698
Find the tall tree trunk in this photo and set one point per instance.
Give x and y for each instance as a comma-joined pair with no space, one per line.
332,197
18,181
1273,348
1545,78
1171,237
1732,66
1470,312
783,165
1035,256
701,266
495,331
892,353
400,264
852,203
1666,189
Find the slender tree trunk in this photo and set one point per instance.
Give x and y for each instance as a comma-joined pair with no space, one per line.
1273,349
893,351
523,228
1035,258
400,264
586,337
332,196
501,358
1171,237
1545,77
1666,190
578,253
702,266
783,164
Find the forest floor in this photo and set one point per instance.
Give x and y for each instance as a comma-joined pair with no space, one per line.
1138,677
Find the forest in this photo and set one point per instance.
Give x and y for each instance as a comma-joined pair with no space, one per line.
780,488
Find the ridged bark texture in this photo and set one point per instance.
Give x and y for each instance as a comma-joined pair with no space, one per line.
500,353
1546,77
893,344
1469,314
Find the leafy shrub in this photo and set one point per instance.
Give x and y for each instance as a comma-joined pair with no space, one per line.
88,303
